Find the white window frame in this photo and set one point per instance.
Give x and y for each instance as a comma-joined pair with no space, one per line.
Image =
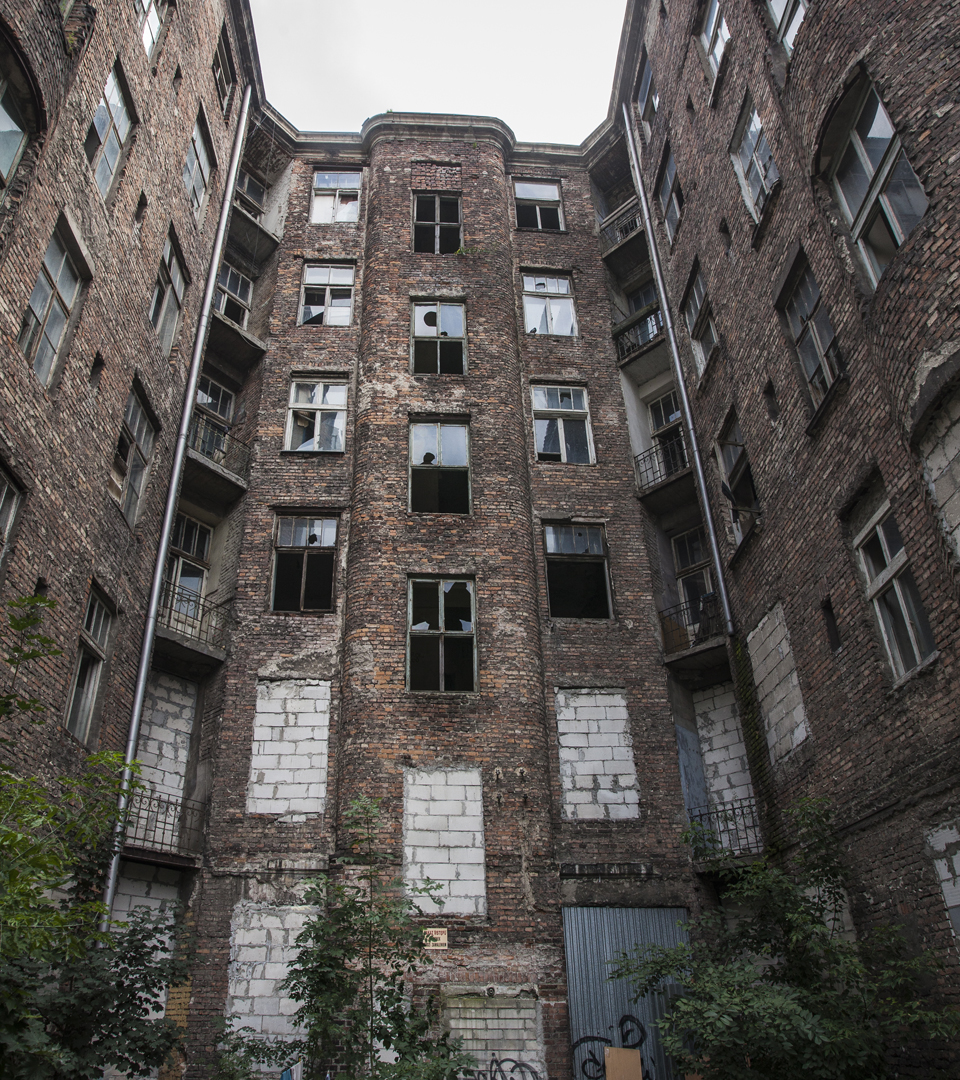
10,498
198,168
443,633
92,653
572,405
320,538
327,398
700,325
527,196
813,335
107,136
648,100
753,161
234,291
12,151
443,314
131,461
337,192
734,466
250,193
168,296
442,230
334,279
714,37
671,196
555,290
787,16
894,584
668,436
150,17
53,302
185,603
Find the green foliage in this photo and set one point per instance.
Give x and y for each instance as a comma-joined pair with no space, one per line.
25,617
241,1052
773,986
355,961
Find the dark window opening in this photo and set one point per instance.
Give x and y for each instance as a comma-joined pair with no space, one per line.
436,229
577,572
305,564
830,623
770,398
438,339
441,640
439,469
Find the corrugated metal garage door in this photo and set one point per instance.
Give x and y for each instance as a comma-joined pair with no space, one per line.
601,1011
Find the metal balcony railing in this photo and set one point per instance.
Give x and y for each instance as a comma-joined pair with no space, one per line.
616,227
645,327
664,460
164,823
187,613
686,625
215,442
735,825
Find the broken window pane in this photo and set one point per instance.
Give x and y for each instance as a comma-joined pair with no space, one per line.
577,572
304,564
538,205
439,469
317,417
323,299
561,435
440,641
336,198
547,306
432,322
436,227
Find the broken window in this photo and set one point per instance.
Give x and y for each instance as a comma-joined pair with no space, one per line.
699,319
787,17
108,132
317,417
647,98
666,427
327,296
250,193
128,477
436,224
336,197
548,305
714,36
305,562
49,309
813,334
893,592
211,422
9,503
691,560
439,468
168,296
440,653
151,20
439,339
577,572
91,657
561,422
671,197
223,74
197,168
13,132
187,566
753,161
538,205
737,483
232,298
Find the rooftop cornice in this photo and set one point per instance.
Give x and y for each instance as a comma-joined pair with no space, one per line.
394,125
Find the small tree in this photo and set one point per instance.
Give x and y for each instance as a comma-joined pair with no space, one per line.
775,987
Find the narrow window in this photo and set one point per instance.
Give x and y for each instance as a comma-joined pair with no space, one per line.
648,100
830,624
250,193
13,132
561,421
326,298
197,168
91,658
577,572
9,504
787,16
691,560
666,428
538,205
150,14
211,420
813,335
671,197
108,133
336,197
232,298
714,36
305,559
186,572
317,416
699,320
131,459
737,483
48,312
753,162
439,338
436,224
223,74
548,305
439,468
440,648
893,592
168,296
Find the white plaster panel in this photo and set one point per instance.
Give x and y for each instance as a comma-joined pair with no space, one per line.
506,1027
724,753
775,673
169,711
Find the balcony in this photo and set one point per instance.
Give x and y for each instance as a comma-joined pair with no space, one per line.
638,333
694,642
164,823
190,628
216,465
664,476
623,243
233,342
735,826
248,235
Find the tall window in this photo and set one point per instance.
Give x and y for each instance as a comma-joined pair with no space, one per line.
814,336
91,658
197,168
9,502
787,17
876,187
561,422
211,421
13,132
737,484
893,592
438,339
671,197
250,193
440,642
538,205
577,571
326,298
699,320
691,560
714,36
187,566
753,161
108,132
336,197
232,298
439,468
131,459
436,224
648,100
305,560
666,427
548,306
223,74
48,312
150,14
167,296
317,417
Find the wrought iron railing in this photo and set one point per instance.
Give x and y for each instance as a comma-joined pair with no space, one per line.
735,826
214,441
616,227
686,625
645,327
664,460
186,612
164,823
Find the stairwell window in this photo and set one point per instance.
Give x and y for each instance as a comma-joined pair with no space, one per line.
91,660
577,584
671,196
561,422
538,205
437,224
131,459
548,305
187,567
753,162
168,296
439,468
441,646
813,335
714,36
699,319
198,168
305,561
52,304
233,295
439,339
108,133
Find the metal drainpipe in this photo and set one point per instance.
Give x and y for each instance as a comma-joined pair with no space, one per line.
677,368
173,495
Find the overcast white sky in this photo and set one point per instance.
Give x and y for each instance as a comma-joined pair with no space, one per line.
544,67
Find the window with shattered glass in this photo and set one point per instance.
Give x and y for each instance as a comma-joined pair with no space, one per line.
548,305
577,582
304,563
439,339
440,640
561,421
